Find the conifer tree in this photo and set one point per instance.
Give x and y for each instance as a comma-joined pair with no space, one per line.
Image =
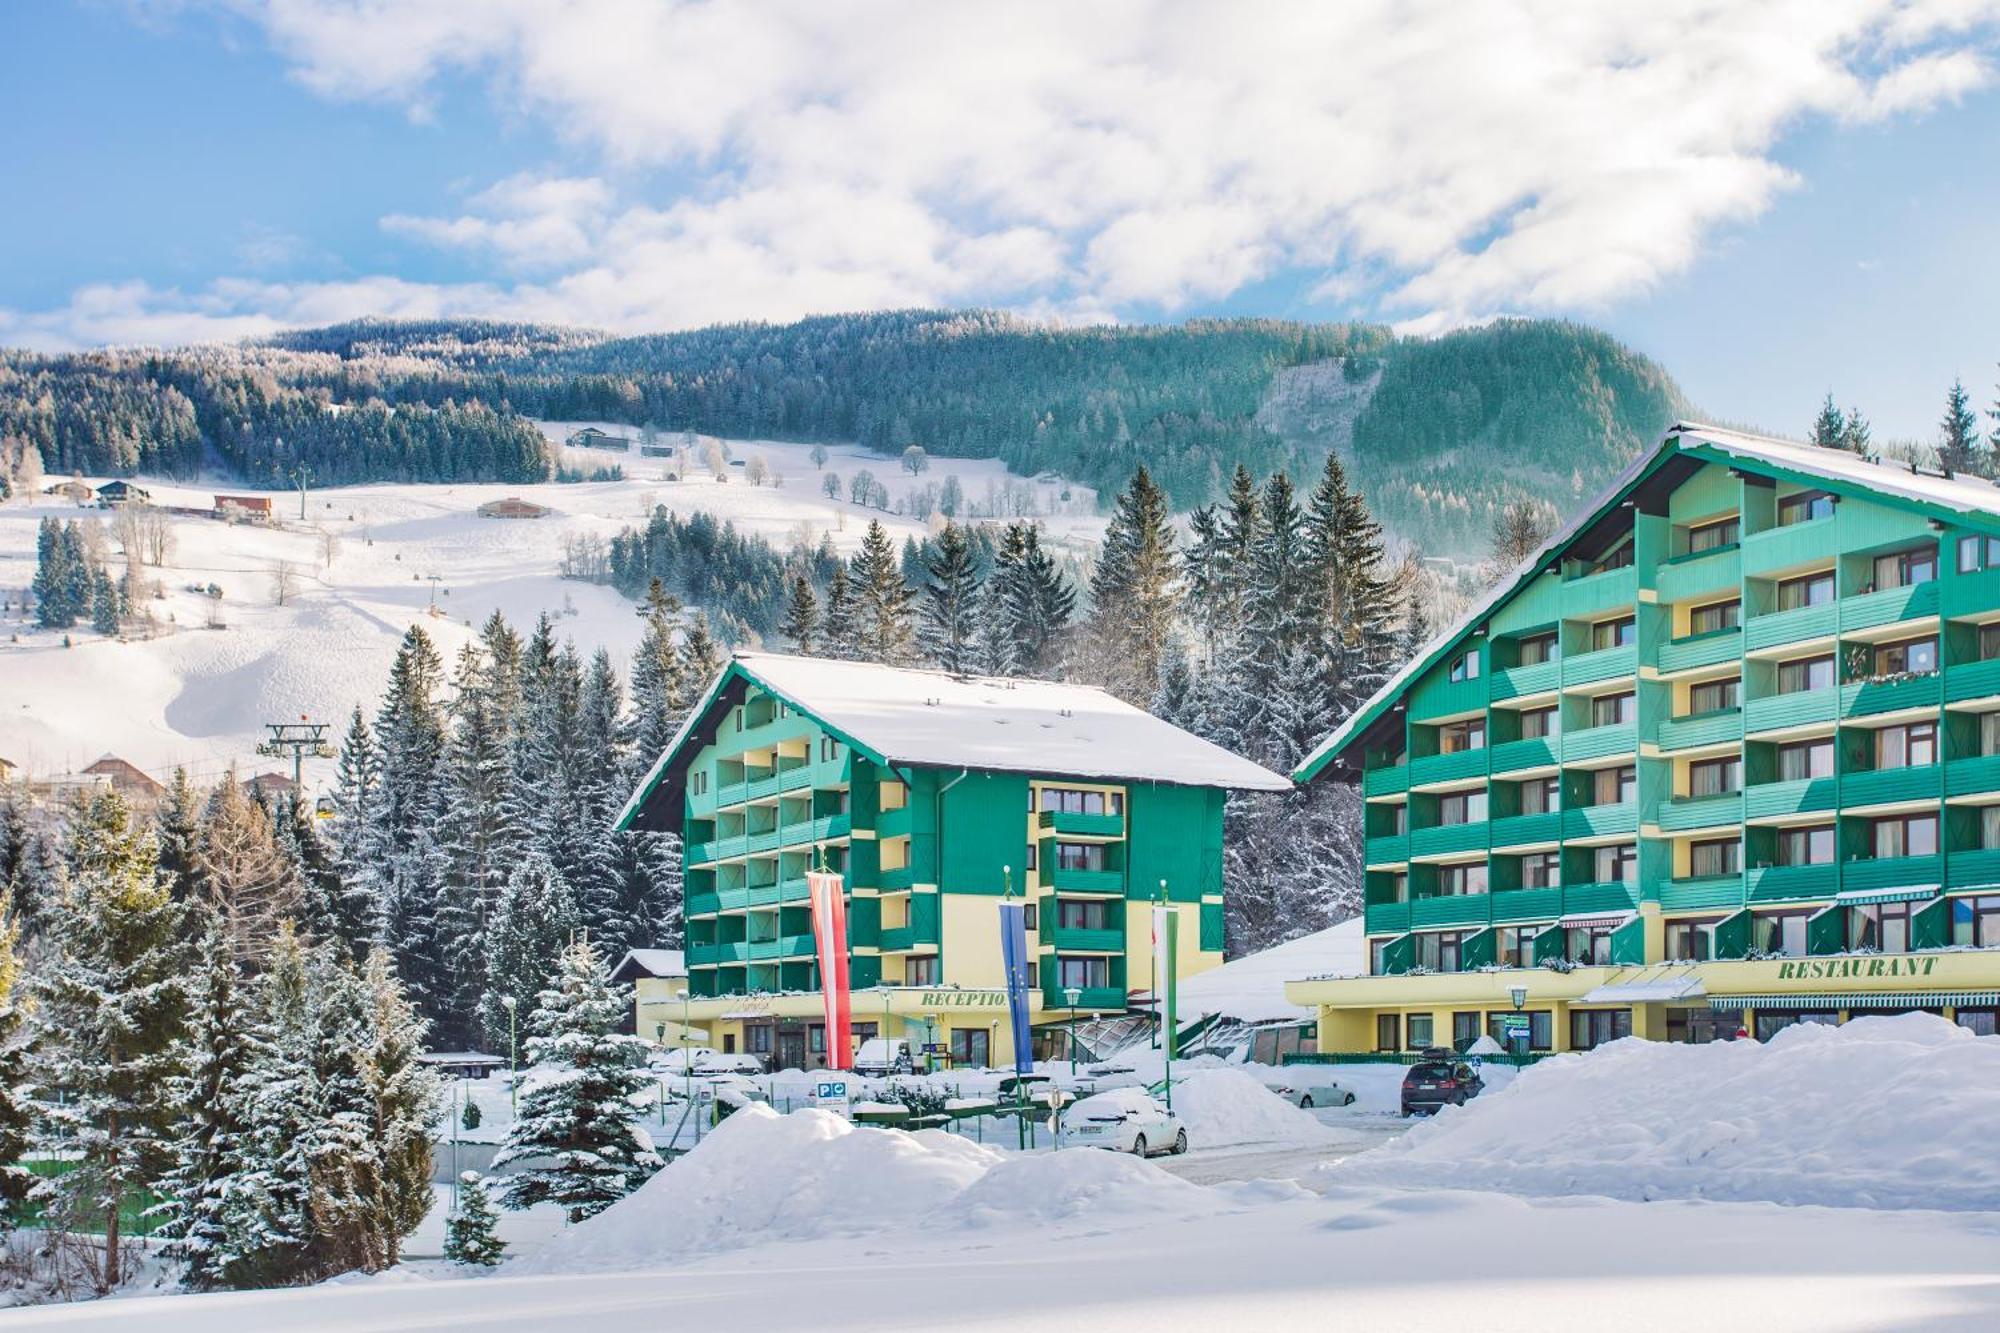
883,629
837,628
109,1013
105,614
405,848
1352,602
948,613
1959,446
579,1117
468,1233
245,882
52,582
532,924
999,648
1855,435
801,624
330,907
1135,590
16,1116
658,685
1829,428
177,836
701,662
402,1098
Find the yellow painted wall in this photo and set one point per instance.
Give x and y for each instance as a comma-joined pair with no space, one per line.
969,928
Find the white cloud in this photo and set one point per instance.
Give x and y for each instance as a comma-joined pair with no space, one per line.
1437,161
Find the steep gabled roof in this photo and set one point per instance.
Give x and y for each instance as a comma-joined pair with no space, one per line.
904,716
1971,501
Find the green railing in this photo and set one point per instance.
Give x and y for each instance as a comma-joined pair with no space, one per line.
1385,781
1089,939
1892,872
1448,767
1594,593
1768,883
1605,664
1700,650
1519,1060
1714,728
1600,742
1794,626
1770,800
1693,812
1974,776
1388,849
1535,752
1517,830
1077,825
1871,609
1797,709
1086,881
1443,839
1971,680
1687,894
1716,570
1386,918
1445,910
1597,821
1863,697
1978,869
1882,785
1537,678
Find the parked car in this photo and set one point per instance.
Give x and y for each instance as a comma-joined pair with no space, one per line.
682,1059
1125,1120
881,1056
736,1062
1307,1087
1439,1079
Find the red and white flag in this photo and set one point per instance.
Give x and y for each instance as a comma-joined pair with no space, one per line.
829,920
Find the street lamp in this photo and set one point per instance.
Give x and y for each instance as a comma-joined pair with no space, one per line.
1072,994
1519,995
660,1038
513,1057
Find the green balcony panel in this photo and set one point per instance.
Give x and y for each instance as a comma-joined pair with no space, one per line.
1598,821
1770,800
1605,664
1536,752
1477,950
1717,728
1078,825
1086,881
1883,785
1803,708
1578,898
1891,872
1700,650
1930,924
1444,839
1712,571
1389,849
1687,895
1538,678
1081,939
1865,697
1386,918
1461,909
1600,742
1782,548
1972,680
1826,931
1979,869
1888,606
1970,594
732,793
1439,697
758,788
1397,955
1628,943
1519,830
892,823
1549,945
1783,883
1782,627
1598,594
1731,937
1088,997
766,841
1683,813
1516,905
901,877
1448,767
703,904
1386,781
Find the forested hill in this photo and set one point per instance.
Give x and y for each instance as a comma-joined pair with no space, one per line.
1441,430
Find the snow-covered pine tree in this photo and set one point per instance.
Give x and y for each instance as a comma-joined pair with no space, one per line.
54,607
330,908
837,626
1135,591
800,626
1280,622
106,610
468,1233
222,1043
109,1006
1040,603
1960,448
1354,605
701,662
16,1117
1829,428
177,835
403,1099
532,925
356,833
408,819
999,651
947,614
245,882
579,1114
658,687
883,619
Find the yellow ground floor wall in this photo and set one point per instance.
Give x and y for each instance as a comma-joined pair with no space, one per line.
916,1014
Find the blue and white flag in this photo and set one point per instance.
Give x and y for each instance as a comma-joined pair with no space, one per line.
1014,957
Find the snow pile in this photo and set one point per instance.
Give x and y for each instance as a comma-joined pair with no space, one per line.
762,1177
1225,1106
1042,1188
1881,1113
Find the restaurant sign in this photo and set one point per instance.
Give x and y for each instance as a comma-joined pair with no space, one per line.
1853,969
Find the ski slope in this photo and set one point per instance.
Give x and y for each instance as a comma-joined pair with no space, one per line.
200,697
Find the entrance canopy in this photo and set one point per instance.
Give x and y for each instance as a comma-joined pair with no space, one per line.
1652,990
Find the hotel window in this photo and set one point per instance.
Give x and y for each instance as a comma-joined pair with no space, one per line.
698,782
1399,819
1913,745
1806,846
1388,1032
1072,801
1399,886
893,795
1780,933
1911,657
1691,941
1462,807
1081,914
1458,737
1716,616
1589,1028
1083,973
1883,927
1806,590
1464,1029
1514,946
1420,1030
1609,709
1976,553
1800,761
1465,666
816,1038
1989,827
1904,569
1715,777
1975,922
1710,536
1614,786
1989,733
1538,648
1079,856
1714,696
1539,1028
1435,951
920,971
1805,673
1539,722
1539,796
1989,642
1591,945
757,1038
1715,856
1617,864
1456,881
1804,508
1614,633
1541,870
1904,835
829,749
971,1048
1618,557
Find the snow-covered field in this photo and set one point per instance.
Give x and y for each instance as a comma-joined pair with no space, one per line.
805,1220
200,697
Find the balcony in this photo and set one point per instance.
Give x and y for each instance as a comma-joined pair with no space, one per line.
703,904
896,879
899,939
1890,605
1803,708
1795,626
784,946
1598,821
1774,800
1535,752
1446,910
1088,939
732,793
1448,767
1085,881
1700,650
792,779
1975,776
1720,727
1536,678
1596,593
757,789
1447,698
1090,997
1976,869
1386,918
1605,664
1863,698
1445,839
1971,680
1698,572
1619,738
1512,905
1606,898
1070,824
892,823
1971,594
1520,830
1892,872
1787,547
1694,812
1771,883
1385,781
1693,893
764,841
1883,785
1387,849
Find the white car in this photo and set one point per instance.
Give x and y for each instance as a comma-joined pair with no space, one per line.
681,1060
880,1056
733,1063
1303,1088
1125,1120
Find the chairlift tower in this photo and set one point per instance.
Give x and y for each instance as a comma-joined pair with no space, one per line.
297,739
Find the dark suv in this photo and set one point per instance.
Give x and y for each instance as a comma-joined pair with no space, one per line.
1440,1078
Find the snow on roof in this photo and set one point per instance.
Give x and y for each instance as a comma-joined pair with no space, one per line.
1652,990
1251,989
1964,493
653,962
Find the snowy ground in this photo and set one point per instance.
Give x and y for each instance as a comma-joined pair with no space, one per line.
200,697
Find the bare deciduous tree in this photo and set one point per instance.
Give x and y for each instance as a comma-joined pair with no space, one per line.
329,547
284,581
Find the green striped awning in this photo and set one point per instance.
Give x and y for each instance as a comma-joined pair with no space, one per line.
1956,999
1863,897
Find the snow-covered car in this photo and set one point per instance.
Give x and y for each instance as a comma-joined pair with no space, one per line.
1303,1086
681,1060
734,1062
1125,1120
880,1056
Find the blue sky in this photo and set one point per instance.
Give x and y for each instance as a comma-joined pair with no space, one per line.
1774,205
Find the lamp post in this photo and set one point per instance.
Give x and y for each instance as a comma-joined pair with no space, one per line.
1519,995
660,1038
1071,995
513,1057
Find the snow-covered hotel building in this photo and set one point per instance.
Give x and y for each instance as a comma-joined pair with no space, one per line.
1722,756
933,796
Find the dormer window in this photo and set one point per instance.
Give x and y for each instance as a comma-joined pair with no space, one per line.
1713,536
1804,508
1465,666
1618,557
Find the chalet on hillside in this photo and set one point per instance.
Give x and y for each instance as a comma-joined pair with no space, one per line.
513,506
75,490
8,770
658,449
243,508
127,779
116,494
590,437
269,786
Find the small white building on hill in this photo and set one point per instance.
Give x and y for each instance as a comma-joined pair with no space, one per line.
1242,1003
